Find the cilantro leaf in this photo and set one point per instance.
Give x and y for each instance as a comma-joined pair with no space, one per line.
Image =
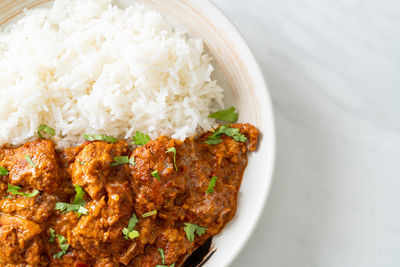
63,245
128,232
3,171
46,129
30,161
215,137
14,190
120,160
161,251
77,204
173,150
156,175
150,213
52,236
140,139
100,137
211,185
228,115
191,229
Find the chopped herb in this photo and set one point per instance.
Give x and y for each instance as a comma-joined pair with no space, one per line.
132,161
228,115
120,160
140,139
3,171
191,229
78,205
82,163
123,160
30,161
100,137
211,185
173,150
150,213
14,190
156,175
215,138
46,129
63,245
52,236
161,251
128,232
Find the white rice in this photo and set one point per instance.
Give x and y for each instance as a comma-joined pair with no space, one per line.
86,66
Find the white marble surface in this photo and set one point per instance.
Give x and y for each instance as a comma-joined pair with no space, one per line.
333,69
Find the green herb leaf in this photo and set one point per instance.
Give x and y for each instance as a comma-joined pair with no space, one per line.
173,150
52,236
215,138
161,251
140,139
120,160
228,115
132,161
156,175
128,232
30,161
213,141
191,229
150,213
76,206
82,163
14,190
100,137
3,171
46,129
63,246
211,185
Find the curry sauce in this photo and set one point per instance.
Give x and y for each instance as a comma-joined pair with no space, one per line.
154,210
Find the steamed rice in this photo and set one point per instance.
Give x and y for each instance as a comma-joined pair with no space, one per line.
90,67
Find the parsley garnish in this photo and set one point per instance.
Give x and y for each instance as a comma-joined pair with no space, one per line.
156,175
150,213
64,247
52,236
173,150
190,229
228,115
14,190
225,129
78,205
46,129
161,251
140,139
128,232
82,163
30,161
100,137
3,171
211,185
123,160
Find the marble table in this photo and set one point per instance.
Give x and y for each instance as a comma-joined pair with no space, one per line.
333,70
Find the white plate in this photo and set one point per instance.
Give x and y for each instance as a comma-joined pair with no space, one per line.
238,72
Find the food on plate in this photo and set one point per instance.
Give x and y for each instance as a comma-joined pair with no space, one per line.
106,203
110,149
89,66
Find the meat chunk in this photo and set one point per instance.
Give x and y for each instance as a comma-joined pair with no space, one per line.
92,167
20,242
99,233
41,173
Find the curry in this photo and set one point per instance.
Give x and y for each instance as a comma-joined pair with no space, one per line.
106,204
